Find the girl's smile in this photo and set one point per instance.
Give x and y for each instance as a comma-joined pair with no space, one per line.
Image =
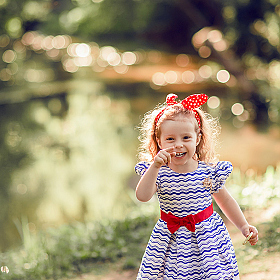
179,155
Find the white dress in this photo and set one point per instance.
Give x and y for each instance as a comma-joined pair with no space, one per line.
206,253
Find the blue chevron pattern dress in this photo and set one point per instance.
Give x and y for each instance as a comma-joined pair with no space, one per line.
206,253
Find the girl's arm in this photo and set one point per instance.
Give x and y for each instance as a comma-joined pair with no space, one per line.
231,209
146,187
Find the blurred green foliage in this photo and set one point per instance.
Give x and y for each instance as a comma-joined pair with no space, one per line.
58,167
270,236
78,248
16,125
255,190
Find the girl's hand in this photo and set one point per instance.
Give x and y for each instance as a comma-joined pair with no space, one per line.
164,156
254,239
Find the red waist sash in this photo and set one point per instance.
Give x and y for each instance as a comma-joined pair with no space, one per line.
174,222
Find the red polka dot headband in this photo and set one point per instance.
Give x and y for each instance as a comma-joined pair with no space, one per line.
191,103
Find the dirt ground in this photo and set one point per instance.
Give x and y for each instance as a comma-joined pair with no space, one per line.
266,268
262,268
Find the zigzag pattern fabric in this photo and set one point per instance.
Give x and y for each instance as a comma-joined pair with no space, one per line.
206,253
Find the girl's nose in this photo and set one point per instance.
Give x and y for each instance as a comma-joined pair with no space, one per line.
178,145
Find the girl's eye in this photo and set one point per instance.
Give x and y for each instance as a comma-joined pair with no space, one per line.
169,139
186,137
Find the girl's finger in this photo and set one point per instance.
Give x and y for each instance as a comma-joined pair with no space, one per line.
163,156
170,153
170,149
248,238
166,154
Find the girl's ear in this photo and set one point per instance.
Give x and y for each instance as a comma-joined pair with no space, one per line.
198,139
158,142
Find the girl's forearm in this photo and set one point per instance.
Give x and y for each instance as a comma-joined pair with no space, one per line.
235,215
231,209
146,187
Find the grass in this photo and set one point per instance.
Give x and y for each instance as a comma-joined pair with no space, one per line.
82,247
78,248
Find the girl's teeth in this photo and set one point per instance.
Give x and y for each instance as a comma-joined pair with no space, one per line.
179,154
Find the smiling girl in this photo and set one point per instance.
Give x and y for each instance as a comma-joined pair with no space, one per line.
179,163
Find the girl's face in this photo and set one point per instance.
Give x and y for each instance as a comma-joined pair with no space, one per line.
180,133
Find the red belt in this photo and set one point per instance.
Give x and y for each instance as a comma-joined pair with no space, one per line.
174,222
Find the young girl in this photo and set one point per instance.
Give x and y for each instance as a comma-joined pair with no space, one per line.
189,241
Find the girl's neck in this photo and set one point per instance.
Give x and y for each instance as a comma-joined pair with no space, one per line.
190,166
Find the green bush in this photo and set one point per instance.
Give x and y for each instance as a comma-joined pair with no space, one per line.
270,237
72,249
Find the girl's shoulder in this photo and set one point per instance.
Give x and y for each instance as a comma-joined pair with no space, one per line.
217,175
218,171
217,167
141,167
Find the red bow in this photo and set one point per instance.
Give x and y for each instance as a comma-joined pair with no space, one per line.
174,223
191,103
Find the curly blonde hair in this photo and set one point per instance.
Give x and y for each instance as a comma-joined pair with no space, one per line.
150,132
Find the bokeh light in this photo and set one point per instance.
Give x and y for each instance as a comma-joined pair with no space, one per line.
244,116
214,36
82,50
188,77
159,79
129,58
70,66
204,51
28,38
237,109
22,189
54,54
106,51
121,69
35,76
154,56
220,45
213,102
200,37
182,60
83,61
223,76
5,74
14,27
171,77
114,59
18,46
59,42
4,40
9,56
205,71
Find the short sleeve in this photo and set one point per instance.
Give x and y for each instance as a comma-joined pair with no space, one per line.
219,175
141,167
